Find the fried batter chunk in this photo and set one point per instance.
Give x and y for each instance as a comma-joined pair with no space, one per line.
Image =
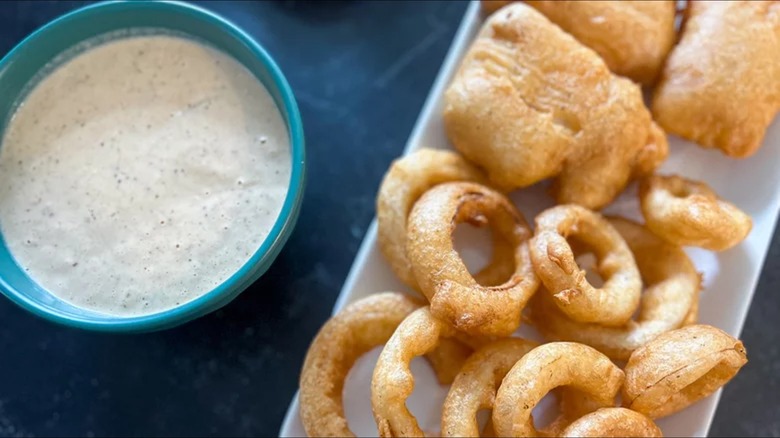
529,102
633,37
720,85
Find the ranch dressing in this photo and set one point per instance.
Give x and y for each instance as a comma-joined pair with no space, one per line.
142,173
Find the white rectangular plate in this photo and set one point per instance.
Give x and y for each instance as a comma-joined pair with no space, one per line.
729,277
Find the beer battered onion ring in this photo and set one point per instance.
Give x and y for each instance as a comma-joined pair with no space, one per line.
680,367
553,259
476,385
671,292
392,382
406,180
545,368
455,296
448,358
690,213
354,331
613,422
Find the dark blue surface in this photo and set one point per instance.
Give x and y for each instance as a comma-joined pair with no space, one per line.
361,71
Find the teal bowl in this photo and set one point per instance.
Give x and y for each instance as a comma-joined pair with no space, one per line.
17,72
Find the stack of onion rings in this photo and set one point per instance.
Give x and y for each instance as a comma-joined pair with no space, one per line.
554,262
392,382
680,367
357,329
689,213
455,295
671,361
672,287
476,385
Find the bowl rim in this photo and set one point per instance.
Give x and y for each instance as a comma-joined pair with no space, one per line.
262,258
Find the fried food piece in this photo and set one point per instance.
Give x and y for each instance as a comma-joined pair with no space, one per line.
490,6
632,37
672,286
358,328
679,368
455,296
448,359
476,385
405,181
529,102
392,382
613,422
719,87
554,262
689,213
547,367
652,154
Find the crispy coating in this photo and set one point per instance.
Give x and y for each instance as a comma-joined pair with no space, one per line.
719,86
490,6
529,103
547,367
690,213
358,328
672,286
476,385
554,262
448,359
454,294
392,382
680,367
652,154
632,37
613,422
405,181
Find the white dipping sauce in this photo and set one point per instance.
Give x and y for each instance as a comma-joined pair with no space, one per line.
142,173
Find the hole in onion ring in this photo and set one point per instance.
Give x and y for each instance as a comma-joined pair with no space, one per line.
587,260
477,247
427,397
680,190
546,411
474,245
483,416
357,395
424,403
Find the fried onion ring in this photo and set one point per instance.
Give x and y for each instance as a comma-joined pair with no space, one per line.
392,382
358,328
476,385
554,262
405,181
547,367
690,213
613,422
671,289
680,367
653,154
454,294
448,359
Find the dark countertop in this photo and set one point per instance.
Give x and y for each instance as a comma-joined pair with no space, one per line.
361,71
